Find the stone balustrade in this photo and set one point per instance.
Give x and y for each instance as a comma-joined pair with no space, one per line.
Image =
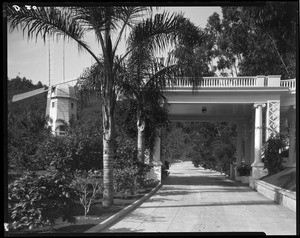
229,82
290,83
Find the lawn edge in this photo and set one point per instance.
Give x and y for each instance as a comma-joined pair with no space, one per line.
109,221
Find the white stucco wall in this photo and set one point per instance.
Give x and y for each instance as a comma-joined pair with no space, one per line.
62,110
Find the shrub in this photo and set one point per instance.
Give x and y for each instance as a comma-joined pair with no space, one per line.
211,163
272,158
77,151
129,173
196,161
125,181
244,169
87,185
38,200
150,183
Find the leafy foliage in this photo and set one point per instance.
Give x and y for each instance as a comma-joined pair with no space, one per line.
173,144
74,151
129,173
255,40
211,145
38,200
272,158
26,126
125,181
19,85
126,118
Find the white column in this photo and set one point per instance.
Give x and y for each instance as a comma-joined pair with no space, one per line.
155,172
247,142
257,166
257,133
252,140
238,147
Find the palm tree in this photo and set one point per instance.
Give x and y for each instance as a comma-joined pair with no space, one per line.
105,21
148,76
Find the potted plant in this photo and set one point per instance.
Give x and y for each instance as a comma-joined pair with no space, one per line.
244,169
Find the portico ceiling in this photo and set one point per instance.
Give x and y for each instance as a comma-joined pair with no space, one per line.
209,112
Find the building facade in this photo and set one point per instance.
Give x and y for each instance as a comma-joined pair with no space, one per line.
61,108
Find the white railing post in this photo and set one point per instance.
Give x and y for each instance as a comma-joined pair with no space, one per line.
293,84
274,80
260,79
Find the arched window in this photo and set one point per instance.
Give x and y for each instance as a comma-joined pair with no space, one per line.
62,128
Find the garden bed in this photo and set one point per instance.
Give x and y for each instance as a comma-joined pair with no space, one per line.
97,214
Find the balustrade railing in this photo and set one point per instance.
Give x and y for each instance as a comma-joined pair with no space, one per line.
291,83
246,81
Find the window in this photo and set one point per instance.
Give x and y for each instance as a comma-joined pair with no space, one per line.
53,104
72,105
62,128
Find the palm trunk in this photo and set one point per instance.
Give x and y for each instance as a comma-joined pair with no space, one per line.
141,139
108,115
108,154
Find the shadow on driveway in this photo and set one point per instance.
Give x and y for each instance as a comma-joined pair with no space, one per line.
123,229
243,203
203,180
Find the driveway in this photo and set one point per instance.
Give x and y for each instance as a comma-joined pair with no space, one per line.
197,200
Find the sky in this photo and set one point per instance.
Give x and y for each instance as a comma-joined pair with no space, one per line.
29,57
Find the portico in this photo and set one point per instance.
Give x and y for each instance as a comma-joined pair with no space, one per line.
255,104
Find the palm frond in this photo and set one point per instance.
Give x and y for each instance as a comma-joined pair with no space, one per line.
139,63
49,21
91,80
128,16
93,18
163,30
152,32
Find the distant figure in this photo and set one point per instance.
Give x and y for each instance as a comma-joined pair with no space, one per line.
164,169
167,164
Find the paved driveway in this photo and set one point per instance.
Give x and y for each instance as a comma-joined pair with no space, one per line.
197,200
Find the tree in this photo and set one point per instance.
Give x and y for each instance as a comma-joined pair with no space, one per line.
256,39
277,23
105,21
142,92
147,76
35,104
173,145
212,144
26,126
87,185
